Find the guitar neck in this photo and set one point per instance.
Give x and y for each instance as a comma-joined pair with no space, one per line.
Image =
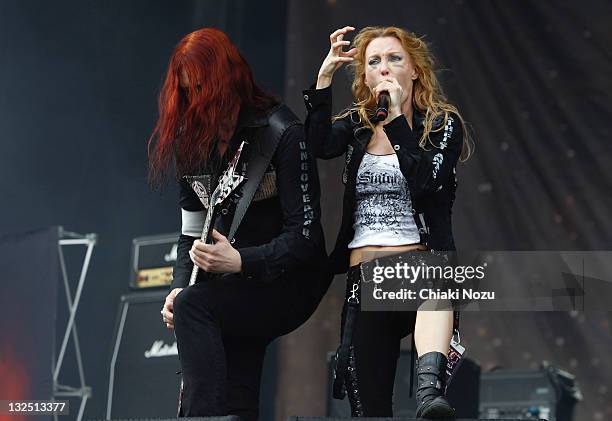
205,232
209,215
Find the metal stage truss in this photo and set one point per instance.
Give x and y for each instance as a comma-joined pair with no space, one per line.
82,391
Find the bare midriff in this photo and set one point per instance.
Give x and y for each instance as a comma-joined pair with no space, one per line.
365,253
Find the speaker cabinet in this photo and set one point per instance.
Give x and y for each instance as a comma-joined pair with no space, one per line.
143,379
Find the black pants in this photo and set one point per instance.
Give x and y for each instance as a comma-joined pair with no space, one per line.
222,328
373,356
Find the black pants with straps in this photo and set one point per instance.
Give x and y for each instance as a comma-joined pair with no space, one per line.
223,327
373,355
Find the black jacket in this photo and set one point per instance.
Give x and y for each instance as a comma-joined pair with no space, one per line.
430,172
280,234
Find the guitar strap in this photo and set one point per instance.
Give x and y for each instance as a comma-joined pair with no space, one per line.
261,151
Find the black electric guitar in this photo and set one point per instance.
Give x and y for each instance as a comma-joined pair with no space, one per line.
229,181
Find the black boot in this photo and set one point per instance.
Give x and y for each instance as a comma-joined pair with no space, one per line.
431,402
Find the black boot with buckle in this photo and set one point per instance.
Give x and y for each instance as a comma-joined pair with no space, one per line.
431,402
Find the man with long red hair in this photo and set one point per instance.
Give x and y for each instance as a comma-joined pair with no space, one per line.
270,276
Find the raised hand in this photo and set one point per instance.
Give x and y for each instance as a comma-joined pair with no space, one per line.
336,57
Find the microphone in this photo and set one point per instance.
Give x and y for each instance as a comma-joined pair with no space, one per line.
382,108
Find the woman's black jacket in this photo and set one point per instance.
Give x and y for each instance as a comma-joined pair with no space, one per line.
429,171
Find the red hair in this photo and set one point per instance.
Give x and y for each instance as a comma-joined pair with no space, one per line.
192,118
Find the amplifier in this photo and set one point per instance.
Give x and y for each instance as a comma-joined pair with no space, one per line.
144,361
546,393
153,259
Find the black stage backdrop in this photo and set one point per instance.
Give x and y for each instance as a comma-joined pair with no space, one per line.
533,80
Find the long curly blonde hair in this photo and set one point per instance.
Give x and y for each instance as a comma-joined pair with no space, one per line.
427,93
